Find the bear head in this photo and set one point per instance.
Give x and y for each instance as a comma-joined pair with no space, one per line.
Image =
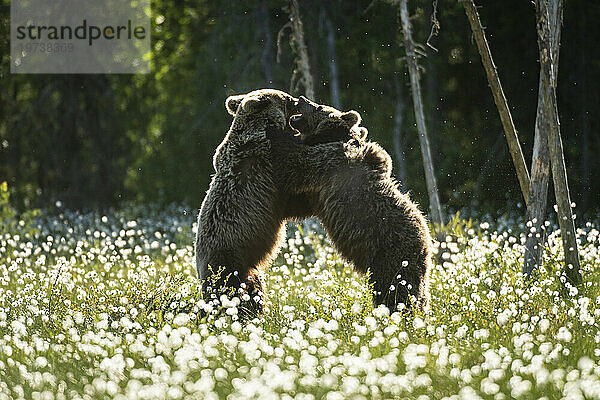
260,108
317,123
253,114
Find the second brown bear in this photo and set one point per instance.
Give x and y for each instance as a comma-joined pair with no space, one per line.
369,221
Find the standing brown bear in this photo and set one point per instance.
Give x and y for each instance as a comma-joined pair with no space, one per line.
369,221
242,218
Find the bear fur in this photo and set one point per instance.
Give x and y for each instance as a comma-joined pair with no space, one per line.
242,218
369,221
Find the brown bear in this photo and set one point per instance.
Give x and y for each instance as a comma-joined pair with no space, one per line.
369,221
242,218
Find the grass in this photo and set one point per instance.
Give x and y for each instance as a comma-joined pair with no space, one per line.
107,306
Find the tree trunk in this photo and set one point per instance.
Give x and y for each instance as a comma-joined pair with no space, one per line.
540,163
432,85
334,83
398,142
538,192
413,69
499,98
301,74
559,173
266,58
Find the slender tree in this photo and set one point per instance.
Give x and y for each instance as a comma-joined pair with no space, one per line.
334,82
266,59
413,69
540,163
499,97
301,75
557,161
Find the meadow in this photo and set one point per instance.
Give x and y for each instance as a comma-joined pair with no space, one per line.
106,305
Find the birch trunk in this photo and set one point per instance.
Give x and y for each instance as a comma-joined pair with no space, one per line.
267,57
559,174
540,163
409,46
334,83
302,63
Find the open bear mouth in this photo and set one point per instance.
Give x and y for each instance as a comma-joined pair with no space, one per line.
295,119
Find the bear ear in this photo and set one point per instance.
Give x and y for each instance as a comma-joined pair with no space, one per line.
232,103
256,104
351,117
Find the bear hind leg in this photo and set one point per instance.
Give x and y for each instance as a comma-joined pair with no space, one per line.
391,291
252,296
390,294
246,286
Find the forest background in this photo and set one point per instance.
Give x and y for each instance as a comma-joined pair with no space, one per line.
92,141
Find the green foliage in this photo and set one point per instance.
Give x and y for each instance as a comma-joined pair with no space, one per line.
94,141
459,227
8,215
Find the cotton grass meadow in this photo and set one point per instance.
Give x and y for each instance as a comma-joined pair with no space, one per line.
96,306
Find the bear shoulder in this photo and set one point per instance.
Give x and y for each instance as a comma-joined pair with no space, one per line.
371,154
238,147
